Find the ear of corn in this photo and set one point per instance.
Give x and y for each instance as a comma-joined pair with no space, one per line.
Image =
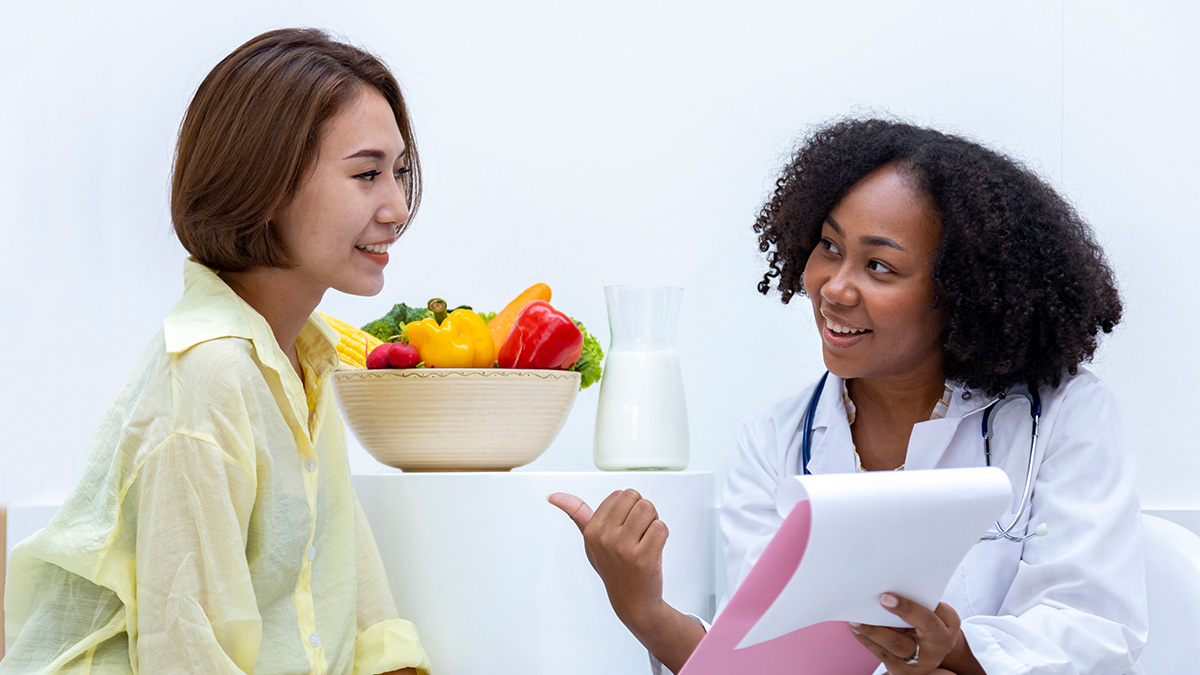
355,344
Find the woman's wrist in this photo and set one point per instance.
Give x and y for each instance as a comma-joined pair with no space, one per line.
670,635
639,616
961,660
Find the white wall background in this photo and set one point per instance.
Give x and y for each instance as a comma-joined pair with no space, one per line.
585,144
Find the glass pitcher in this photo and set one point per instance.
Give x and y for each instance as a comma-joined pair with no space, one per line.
641,420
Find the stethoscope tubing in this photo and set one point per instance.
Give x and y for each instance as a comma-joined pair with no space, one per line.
1035,413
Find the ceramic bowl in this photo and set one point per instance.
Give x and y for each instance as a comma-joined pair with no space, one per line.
455,419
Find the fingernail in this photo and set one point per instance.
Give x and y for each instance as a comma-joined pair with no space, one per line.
889,600
854,624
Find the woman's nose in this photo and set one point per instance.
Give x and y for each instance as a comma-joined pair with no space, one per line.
840,288
394,208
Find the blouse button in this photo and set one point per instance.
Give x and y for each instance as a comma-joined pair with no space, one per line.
311,465
312,552
314,639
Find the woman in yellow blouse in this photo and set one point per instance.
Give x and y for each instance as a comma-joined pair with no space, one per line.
214,528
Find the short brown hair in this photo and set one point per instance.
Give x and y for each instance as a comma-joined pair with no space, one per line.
253,130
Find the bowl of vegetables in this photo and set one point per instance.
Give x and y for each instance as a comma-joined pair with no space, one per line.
439,389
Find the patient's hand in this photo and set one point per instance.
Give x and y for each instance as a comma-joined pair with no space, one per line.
624,541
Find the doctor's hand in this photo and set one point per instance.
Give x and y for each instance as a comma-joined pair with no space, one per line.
936,640
624,542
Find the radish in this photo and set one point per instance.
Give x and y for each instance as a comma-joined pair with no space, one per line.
378,358
401,355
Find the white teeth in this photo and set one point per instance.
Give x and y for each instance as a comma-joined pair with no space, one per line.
374,248
843,329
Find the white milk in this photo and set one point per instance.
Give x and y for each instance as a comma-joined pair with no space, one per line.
641,421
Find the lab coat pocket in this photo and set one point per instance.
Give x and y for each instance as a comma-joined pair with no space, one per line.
986,574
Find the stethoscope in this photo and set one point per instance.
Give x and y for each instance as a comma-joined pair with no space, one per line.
1035,412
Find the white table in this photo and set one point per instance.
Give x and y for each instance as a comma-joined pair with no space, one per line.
496,579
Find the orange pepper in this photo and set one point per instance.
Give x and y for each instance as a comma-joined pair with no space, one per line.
502,323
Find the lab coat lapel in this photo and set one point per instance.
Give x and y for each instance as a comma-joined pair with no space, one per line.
832,446
928,444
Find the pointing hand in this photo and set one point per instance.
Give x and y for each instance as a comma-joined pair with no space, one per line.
624,542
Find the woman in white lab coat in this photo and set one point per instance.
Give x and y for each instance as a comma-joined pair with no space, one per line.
943,277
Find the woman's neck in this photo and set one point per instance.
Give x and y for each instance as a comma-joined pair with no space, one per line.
906,399
273,293
887,409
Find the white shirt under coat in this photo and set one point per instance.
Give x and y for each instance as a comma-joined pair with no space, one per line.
1069,603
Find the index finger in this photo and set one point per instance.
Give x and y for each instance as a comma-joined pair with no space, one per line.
573,506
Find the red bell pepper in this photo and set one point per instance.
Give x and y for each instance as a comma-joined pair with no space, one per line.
541,337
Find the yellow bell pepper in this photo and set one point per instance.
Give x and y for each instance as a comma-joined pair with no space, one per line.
461,341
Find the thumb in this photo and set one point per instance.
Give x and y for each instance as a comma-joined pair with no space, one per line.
573,506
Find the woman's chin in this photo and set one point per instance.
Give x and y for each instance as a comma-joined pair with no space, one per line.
363,287
839,366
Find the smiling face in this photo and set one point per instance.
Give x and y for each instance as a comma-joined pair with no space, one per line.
350,203
871,285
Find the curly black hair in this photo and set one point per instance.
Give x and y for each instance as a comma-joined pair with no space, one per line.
1022,287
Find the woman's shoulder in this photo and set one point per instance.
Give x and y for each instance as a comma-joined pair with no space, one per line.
219,387
234,354
1082,412
165,389
217,369
138,422
211,391
1081,388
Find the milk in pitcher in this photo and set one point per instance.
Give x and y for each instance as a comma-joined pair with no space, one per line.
641,420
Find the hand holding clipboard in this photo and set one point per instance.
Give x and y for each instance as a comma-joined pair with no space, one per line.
826,565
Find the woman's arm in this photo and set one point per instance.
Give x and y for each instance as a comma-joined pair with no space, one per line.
195,604
624,542
1078,595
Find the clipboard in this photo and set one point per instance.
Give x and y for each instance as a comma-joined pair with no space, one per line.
831,559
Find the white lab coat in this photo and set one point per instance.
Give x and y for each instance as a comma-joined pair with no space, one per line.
1070,603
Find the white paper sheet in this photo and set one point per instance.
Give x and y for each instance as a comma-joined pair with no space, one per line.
903,532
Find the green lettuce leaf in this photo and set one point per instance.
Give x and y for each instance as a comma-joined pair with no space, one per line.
589,363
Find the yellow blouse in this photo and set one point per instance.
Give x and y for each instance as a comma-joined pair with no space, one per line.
213,528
